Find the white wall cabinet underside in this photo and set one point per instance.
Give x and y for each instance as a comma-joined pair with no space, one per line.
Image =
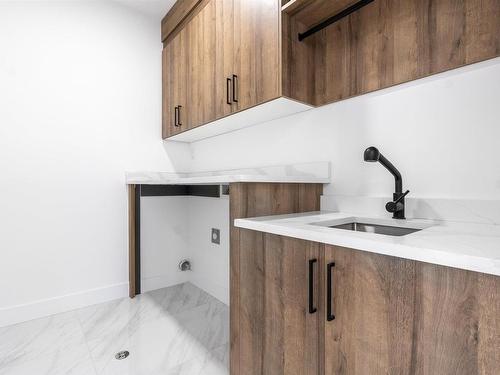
272,110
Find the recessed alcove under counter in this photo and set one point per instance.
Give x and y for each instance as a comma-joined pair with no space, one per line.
172,215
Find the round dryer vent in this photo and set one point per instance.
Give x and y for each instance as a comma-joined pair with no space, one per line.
185,265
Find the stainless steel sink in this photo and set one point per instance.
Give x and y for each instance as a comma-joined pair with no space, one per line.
375,228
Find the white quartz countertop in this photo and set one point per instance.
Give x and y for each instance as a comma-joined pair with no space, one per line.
317,172
468,246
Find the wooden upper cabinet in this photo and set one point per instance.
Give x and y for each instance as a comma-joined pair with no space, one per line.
256,52
227,54
232,55
225,51
202,78
167,92
175,78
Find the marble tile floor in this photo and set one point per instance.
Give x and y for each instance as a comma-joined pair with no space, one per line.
180,330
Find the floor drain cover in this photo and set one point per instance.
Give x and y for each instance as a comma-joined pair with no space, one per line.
122,355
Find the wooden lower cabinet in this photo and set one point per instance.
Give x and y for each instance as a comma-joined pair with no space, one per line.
279,336
373,304
392,315
250,277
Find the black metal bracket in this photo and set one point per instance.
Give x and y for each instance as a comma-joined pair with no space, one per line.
177,190
353,8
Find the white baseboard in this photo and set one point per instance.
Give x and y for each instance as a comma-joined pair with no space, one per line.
50,306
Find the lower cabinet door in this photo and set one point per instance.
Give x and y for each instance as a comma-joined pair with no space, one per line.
398,316
368,313
279,315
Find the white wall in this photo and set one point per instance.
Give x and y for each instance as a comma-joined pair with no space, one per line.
165,227
176,228
80,98
80,103
210,261
443,133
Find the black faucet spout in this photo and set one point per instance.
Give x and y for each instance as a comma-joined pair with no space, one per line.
397,206
394,171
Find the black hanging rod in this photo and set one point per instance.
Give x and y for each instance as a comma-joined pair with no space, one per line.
353,8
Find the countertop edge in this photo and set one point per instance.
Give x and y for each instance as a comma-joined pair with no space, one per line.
230,179
432,256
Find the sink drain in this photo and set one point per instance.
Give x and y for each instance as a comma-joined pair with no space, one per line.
122,355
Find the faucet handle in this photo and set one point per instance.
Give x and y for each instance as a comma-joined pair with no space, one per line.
401,197
396,205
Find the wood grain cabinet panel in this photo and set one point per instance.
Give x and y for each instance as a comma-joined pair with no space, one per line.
375,314
280,336
397,316
394,41
373,304
257,51
224,63
201,76
232,55
457,330
167,92
233,61
175,83
247,281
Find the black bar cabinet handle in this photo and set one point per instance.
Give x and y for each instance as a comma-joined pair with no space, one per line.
179,115
312,309
175,116
235,88
228,91
329,313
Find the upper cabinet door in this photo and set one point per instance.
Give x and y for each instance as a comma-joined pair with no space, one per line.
201,80
175,78
168,104
256,52
224,67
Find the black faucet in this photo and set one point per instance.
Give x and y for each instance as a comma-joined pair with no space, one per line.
397,206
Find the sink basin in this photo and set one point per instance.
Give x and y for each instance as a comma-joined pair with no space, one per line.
375,228
382,226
